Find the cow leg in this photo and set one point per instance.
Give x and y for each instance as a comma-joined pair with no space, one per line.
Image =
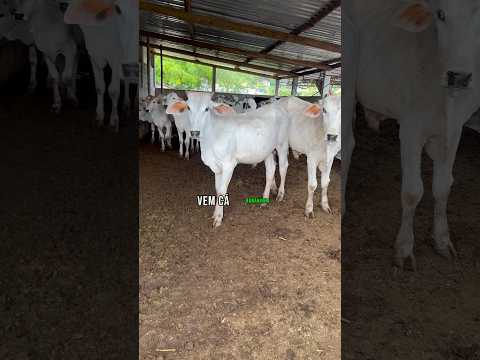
70,75
188,141
197,146
180,141
442,182
168,134
32,57
412,192
222,180
283,166
57,100
161,135
114,92
152,130
270,175
325,181
312,164
100,89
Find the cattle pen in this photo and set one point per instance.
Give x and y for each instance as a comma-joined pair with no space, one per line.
266,283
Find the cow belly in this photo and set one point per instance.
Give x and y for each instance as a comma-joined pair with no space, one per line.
254,147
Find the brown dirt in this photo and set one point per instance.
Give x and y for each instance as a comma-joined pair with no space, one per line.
265,285
431,314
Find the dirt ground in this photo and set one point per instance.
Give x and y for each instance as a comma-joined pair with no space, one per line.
435,312
265,285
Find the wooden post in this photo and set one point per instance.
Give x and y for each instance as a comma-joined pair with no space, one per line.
161,70
149,70
154,80
214,78
295,86
277,86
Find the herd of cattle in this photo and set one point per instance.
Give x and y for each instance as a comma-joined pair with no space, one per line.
102,27
232,131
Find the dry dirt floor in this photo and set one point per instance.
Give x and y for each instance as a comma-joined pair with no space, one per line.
265,285
435,312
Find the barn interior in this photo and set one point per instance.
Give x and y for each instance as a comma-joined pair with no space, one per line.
266,283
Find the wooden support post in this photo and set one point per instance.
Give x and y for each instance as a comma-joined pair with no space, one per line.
277,86
149,69
214,78
161,69
295,86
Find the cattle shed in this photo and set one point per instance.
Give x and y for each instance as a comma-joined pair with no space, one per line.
292,42
266,283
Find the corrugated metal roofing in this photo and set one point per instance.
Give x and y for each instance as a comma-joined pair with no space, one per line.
278,15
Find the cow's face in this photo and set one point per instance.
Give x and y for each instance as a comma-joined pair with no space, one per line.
329,111
154,103
332,117
199,110
457,24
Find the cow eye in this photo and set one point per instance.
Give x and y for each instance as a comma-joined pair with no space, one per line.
206,109
441,15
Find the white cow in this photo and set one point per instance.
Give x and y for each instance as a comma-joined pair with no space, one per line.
159,119
108,28
314,130
182,122
53,37
229,139
12,27
413,61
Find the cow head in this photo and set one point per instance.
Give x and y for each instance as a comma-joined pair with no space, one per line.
456,23
199,108
154,103
91,12
330,109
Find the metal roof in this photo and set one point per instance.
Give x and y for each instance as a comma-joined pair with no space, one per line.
283,16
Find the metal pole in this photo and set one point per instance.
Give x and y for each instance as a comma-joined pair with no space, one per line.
161,69
214,78
149,70
277,86
295,86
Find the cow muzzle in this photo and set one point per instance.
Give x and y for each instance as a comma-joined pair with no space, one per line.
458,80
195,134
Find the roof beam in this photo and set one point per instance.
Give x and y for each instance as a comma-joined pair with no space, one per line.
222,23
218,66
310,72
187,4
319,15
222,60
252,54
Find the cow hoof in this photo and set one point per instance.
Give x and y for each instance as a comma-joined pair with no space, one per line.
56,109
217,221
447,251
187,156
399,263
327,209
280,196
309,214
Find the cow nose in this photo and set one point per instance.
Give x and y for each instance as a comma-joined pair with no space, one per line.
331,137
195,134
458,79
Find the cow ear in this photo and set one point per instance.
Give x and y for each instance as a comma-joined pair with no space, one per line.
416,16
223,109
313,111
90,12
176,107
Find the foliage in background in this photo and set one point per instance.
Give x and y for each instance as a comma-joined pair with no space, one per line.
184,75
241,83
